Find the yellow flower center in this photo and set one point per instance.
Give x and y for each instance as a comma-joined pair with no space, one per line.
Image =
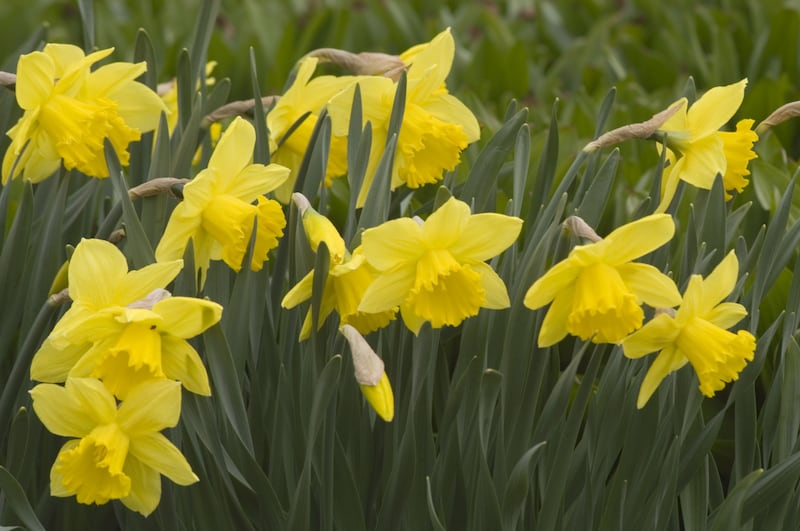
77,129
445,292
92,469
717,355
603,308
429,147
230,222
271,222
135,358
738,147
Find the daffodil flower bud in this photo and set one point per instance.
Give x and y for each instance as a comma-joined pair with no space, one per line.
370,374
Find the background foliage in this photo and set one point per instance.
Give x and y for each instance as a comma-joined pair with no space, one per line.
490,432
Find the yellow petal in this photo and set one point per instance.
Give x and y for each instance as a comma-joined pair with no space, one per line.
150,407
493,286
656,334
255,180
181,362
676,122
635,239
702,163
485,236
139,106
35,77
300,292
381,398
52,364
650,285
145,491
157,452
388,291
412,321
394,242
450,109
60,412
726,314
669,185
719,284
186,317
431,66
180,228
547,287
235,149
96,268
63,56
93,398
140,283
107,80
715,108
444,227
670,359
554,326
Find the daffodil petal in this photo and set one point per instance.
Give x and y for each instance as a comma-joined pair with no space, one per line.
93,398
493,285
431,66
255,180
111,78
393,242
446,225
388,291
485,236
548,286
157,452
719,283
95,269
63,55
173,242
139,106
145,493
635,239
187,317
35,79
235,149
670,359
181,362
650,285
300,292
141,282
51,364
715,108
656,334
412,321
703,162
60,412
150,407
450,109
554,325
726,314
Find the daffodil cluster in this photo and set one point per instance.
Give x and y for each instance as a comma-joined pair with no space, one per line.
122,351
71,109
436,127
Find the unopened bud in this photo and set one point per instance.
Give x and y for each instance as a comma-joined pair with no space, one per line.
318,229
581,229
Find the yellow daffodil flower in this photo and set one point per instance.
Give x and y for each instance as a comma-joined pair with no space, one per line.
118,333
99,279
348,278
305,97
344,288
435,271
697,333
70,110
217,212
370,374
597,291
136,344
436,128
697,151
115,453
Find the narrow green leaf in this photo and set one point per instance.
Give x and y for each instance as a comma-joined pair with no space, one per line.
261,151
518,485
522,160
17,501
203,28
729,514
137,244
86,9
